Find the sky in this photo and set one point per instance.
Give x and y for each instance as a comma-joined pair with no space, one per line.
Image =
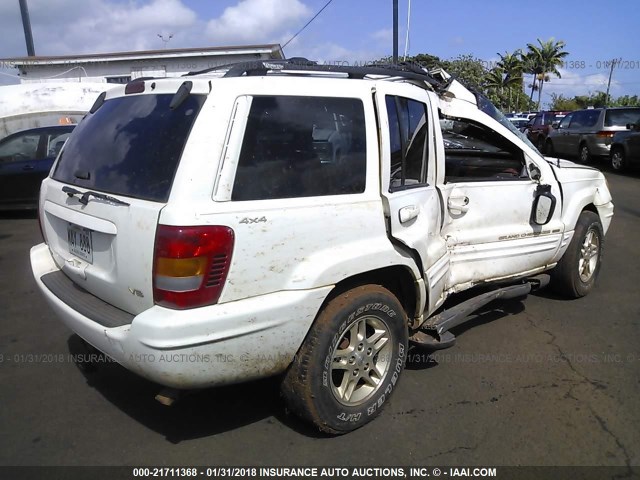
347,31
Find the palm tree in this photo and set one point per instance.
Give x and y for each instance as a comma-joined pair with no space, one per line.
512,65
496,80
530,66
545,59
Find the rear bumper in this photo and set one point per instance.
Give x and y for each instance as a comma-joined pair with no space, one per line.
599,147
215,345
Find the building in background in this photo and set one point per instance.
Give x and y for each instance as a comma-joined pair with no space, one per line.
122,67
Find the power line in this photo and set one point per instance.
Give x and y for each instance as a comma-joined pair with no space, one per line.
307,24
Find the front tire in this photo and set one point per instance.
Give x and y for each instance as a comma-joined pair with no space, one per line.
576,272
618,160
350,362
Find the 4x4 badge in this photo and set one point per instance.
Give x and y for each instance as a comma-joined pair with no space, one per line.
253,220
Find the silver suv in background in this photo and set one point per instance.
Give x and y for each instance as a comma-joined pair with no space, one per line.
588,133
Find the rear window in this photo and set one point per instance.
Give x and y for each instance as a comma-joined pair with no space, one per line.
302,147
130,146
551,118
620,117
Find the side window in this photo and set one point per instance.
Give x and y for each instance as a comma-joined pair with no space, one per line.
21,147
55,141
302,147
408,129
579,119
555,118
564,123
591,118
537,121
475,152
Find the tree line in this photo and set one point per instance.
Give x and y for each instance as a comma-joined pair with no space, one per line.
504,83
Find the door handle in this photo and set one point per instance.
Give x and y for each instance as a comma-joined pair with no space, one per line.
27,167
408,213
460,204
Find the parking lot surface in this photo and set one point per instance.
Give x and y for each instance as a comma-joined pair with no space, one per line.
544,381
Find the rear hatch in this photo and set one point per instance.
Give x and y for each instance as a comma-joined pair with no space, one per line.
619,118
102,203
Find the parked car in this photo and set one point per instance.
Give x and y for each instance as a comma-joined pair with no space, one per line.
520,123
527,115
193,234
625,148
25,160
588,133
540,125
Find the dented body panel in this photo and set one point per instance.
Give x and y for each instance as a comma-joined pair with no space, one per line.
440,233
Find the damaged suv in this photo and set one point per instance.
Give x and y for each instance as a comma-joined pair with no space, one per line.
302,220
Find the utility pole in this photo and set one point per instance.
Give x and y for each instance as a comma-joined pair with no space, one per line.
606,98
395,32
26,24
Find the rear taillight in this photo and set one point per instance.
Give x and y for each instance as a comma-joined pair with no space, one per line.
191,265
605,134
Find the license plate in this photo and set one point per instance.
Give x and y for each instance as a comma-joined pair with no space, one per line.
80,243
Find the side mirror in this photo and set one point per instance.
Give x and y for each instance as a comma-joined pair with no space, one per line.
544,204
555,125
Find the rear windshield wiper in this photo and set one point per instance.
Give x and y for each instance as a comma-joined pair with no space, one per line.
84,197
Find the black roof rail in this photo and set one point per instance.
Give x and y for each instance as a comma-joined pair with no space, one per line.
299,64
253,66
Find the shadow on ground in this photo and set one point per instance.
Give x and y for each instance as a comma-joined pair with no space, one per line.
422,358
18,214
198,413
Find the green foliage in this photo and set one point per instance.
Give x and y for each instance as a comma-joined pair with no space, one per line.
470,70
560,102
426,60
595,100
467,68
505,85
543,60
625,101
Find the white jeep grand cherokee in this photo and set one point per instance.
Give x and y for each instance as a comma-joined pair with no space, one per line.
306,220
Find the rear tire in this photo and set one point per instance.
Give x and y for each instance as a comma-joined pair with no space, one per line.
618,160
584,153
350,361
576,272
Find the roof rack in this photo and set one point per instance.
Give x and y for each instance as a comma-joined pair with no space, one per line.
298,64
